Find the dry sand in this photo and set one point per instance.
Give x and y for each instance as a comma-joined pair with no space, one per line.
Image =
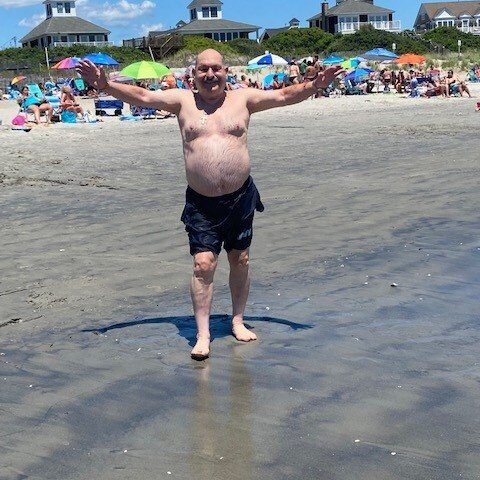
361,193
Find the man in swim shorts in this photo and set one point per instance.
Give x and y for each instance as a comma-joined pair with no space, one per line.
221,198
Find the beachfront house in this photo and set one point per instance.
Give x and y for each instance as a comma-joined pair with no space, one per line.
463,15
347,16
206,19
62,27
271,32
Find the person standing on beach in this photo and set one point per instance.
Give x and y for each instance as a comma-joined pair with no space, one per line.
221,198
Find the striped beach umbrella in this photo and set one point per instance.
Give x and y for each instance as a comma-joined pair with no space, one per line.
66,64
268,59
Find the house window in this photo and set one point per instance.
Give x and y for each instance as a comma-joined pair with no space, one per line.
347,19
222,37
216,37
229,36
60,7
64,39
91,38
193,14
84,38
235,35
67,7
445,23
213,12
205,12
49,10
378,18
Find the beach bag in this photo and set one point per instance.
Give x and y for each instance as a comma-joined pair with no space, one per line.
68,117
19,120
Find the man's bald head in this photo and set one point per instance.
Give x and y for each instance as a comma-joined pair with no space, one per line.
209,55
210,75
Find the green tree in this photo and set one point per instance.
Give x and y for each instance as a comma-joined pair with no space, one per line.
299,41
449,37
368,38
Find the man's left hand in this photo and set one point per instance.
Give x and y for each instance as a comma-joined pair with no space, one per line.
325,78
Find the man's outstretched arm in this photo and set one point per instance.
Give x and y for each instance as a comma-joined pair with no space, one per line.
169,100
259,100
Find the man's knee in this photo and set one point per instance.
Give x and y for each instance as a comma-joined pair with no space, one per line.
204,266
239,258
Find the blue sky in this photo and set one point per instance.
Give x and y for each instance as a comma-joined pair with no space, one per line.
132,18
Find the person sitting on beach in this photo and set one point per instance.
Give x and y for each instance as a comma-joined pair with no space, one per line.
455,85
68,102
221,197
31,103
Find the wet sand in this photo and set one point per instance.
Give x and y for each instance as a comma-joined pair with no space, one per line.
352,378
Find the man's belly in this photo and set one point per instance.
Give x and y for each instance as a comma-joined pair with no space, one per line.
216,165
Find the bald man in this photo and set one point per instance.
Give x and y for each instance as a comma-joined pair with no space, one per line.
221,198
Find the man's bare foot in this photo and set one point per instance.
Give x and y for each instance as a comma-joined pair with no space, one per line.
201,350
242,333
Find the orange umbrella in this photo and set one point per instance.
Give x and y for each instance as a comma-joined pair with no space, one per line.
17,79
410,59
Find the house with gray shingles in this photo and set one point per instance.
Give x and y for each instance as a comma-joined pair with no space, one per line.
206,20
62,27
347,16
271,32
463,15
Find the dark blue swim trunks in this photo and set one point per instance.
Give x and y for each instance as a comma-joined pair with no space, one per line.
228,219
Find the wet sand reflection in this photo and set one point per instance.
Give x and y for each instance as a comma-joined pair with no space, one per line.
221,427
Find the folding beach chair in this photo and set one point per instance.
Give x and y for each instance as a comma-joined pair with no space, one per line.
143,112
79,86
34,90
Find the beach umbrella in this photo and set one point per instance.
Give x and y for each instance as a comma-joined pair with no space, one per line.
66,64
379,55
351,63
333,60
17,79
268,80
101,59
268,59
254,66
359,74
410,59
143,70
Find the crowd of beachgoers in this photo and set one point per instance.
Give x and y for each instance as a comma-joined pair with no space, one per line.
58,102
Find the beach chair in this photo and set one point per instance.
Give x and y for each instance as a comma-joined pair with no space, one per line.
103,104
143,112
352,89
79,86
471,77
34,90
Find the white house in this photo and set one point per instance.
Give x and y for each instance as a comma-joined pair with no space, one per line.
463,15
62,27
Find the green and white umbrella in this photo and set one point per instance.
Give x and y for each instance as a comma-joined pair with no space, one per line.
143,70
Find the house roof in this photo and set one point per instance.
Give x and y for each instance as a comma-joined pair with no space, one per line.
354,7
63,25
456,8
214,25
271,32
201,3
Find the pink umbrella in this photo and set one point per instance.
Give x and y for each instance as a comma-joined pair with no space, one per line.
67,63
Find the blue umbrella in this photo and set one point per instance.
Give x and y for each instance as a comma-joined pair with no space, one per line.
379,55
268,80
358,74
102,59
332,60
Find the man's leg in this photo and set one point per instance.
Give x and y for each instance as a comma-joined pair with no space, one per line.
201,290
239,288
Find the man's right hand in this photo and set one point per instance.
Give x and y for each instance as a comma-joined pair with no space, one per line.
94,76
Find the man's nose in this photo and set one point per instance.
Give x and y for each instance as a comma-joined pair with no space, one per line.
210,73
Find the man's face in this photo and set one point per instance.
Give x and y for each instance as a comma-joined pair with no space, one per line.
210,75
